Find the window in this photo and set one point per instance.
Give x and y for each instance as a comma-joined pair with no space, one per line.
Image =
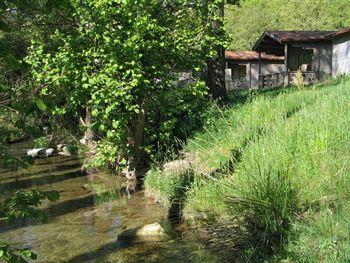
300,56
239,72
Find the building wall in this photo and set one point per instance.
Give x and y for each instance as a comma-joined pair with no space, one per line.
322,58
266,68
232,73
341,56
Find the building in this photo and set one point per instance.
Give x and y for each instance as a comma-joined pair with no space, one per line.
242,68
317,54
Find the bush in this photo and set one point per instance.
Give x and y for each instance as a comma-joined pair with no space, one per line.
167,187
41,142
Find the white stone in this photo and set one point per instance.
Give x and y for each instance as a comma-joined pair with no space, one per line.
154,229
36,152
147,233
49,151
60,146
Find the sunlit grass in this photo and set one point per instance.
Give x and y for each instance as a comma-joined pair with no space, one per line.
278,165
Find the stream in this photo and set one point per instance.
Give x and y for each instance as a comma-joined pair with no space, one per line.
93,209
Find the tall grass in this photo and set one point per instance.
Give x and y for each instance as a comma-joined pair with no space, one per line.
279,166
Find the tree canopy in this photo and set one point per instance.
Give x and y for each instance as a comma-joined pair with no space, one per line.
120,62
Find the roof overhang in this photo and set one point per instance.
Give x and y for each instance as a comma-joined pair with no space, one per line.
340,33
269,44
249,56
272,42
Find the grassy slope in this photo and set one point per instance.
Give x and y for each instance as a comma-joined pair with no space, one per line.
278,166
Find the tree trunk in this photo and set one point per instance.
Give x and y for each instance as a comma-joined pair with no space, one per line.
137,140
215,78
89,134
215,75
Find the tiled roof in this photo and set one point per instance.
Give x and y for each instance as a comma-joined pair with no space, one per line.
273,41
250,56
340,32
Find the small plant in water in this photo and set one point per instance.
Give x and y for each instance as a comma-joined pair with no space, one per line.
41,142
10,254
22,205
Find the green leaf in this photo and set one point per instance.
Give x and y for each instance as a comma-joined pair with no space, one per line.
29,254
26,253
33,256
52,195
41,105
1,252
4,26
2,5
3,87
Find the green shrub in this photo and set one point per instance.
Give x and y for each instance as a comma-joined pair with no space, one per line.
167,187
41,142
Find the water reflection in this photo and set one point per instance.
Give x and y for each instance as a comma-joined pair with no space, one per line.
93,209
83,226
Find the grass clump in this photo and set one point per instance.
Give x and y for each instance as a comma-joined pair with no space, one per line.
168,187
278,167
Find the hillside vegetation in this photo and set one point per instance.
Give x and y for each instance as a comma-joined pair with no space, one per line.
248,20
271,176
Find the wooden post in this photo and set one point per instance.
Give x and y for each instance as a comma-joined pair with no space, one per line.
286,63
259,62
250,74
259,70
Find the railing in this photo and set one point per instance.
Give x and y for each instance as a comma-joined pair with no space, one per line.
272,80
283,79
236,84
309,77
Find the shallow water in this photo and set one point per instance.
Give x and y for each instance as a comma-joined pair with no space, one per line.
84,224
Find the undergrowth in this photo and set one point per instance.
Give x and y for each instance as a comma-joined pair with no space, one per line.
278,166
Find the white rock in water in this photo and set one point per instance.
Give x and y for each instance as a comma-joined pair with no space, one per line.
64,152
154,229
36,152
60,146
49,151
147,233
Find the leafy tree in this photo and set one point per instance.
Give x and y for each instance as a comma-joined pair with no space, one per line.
118,59
215,75
20,21
21,204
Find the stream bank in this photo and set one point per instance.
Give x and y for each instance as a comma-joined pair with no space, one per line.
93,209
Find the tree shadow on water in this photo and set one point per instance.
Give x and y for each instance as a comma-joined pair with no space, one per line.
173,251
39,181
54,211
